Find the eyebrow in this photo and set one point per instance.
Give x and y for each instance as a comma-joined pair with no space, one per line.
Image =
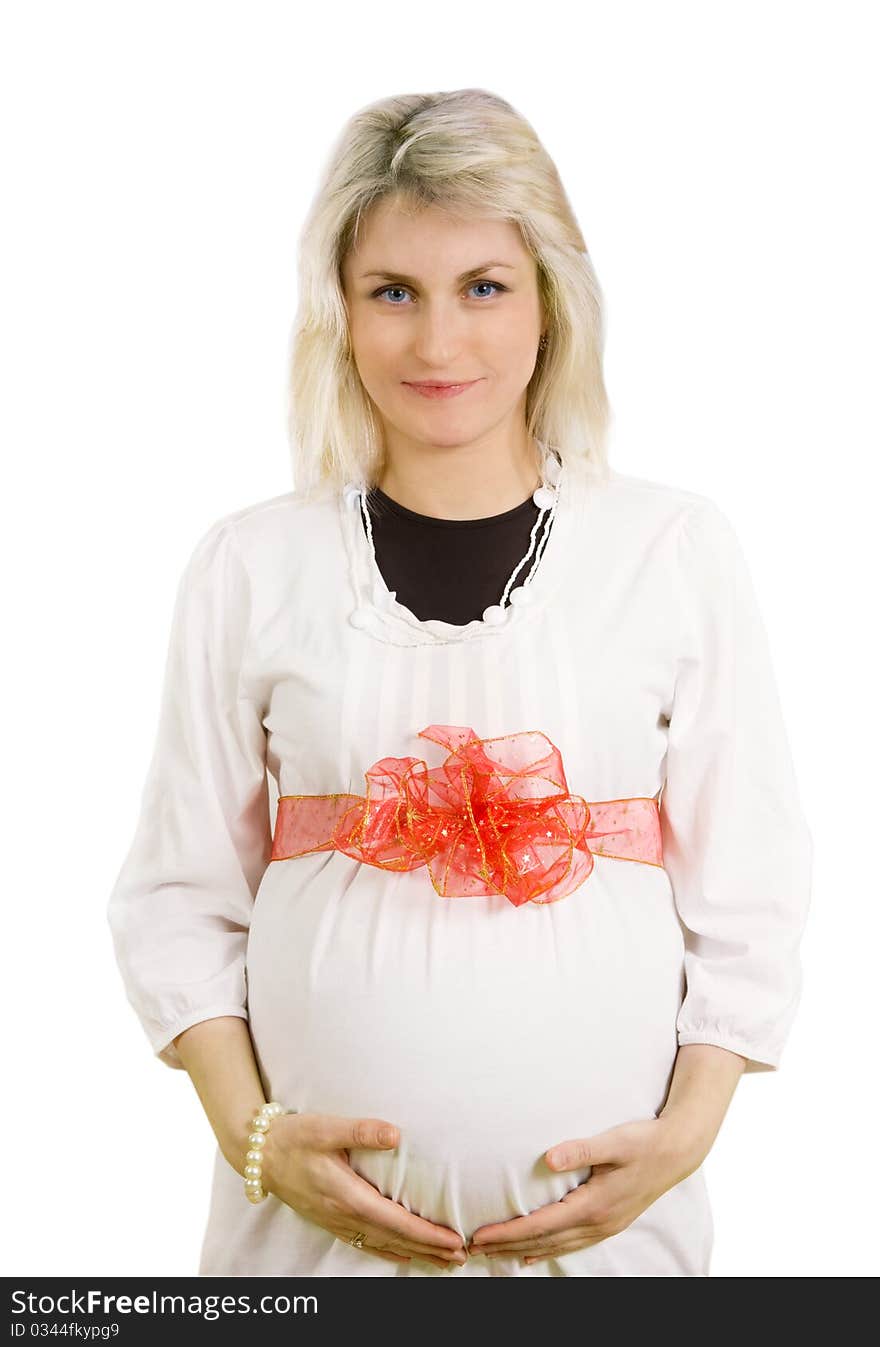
410,280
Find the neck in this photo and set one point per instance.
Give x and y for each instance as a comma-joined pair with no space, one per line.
465,482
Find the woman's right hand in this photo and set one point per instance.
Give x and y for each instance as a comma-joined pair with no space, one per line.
306,1165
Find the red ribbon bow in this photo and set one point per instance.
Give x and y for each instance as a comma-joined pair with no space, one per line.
495,818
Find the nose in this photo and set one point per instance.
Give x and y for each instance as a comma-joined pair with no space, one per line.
438,339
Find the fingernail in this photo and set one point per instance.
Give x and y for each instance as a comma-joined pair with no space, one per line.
386,1136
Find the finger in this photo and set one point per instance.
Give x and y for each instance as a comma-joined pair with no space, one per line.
604,1148
427,1250
376,1241
559,1252
584,1228
382,1237
530,1247
581,1207
368,1204
384,1253
389,1239
328,1131
346,1237
539,1224
444,1260
390,1225
576,1240
369,1217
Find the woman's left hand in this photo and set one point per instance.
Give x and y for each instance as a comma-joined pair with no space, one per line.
632,1165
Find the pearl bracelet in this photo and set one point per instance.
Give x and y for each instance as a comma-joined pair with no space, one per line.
253,1160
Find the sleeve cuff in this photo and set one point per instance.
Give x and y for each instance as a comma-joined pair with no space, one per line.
757,1059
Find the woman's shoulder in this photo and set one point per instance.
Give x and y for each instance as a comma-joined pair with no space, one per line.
642,508
291,520
651,493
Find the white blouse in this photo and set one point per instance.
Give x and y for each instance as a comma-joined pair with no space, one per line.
485,1030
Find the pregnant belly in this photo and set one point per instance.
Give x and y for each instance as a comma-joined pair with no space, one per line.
486,1033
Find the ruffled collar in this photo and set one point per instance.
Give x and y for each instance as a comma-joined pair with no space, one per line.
376,611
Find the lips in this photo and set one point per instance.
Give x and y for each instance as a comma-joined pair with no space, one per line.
440,390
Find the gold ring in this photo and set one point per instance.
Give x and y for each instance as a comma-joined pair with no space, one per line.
358,1240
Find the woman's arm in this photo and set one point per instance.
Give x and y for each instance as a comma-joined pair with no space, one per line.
703,1083
182,902
736,844
219,1056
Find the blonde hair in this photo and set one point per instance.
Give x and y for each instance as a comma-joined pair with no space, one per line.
466,151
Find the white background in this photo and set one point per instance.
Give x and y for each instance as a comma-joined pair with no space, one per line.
158,160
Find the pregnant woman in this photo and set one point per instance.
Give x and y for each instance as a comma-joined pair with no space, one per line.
474,997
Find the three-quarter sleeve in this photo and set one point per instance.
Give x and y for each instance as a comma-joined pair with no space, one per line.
736,844
181,905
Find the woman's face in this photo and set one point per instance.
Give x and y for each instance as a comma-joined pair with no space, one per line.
433,297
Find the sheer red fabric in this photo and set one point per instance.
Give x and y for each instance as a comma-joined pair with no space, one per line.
496,817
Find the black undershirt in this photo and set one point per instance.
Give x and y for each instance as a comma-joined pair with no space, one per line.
450,570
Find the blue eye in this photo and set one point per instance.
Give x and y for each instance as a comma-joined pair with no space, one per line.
400,289
385,291
496,285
